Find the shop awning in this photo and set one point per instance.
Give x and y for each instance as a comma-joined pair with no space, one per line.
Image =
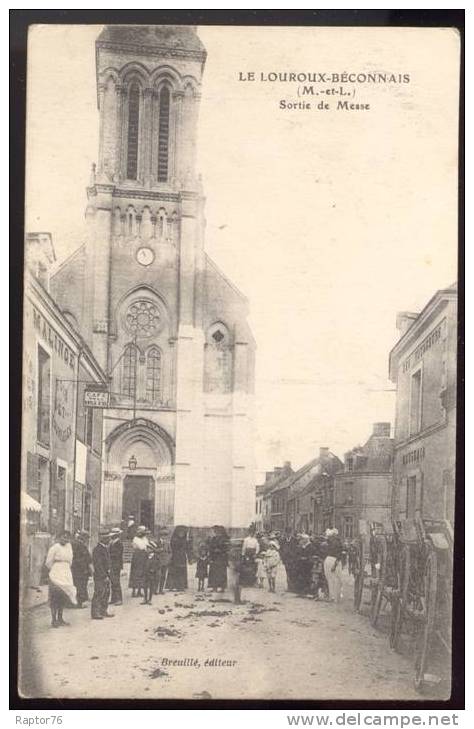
28,503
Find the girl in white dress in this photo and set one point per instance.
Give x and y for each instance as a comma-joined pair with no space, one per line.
61,587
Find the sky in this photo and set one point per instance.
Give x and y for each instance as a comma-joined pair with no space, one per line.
330,222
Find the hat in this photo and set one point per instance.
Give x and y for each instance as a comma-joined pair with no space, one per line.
104,534
115,530
83,533
163,530
141,529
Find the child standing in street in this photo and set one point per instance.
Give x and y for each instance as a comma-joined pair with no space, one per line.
150,572
261,573
271,561
202,566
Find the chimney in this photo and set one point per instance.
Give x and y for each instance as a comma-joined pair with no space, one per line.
324,452
287,464
405,319
382,430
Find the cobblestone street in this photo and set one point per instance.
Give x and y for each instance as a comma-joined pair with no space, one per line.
278,645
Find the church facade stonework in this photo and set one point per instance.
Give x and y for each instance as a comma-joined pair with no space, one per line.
165,324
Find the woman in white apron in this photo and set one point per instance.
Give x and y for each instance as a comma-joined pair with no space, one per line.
61,587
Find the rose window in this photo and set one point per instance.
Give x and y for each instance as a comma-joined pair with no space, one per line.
142,318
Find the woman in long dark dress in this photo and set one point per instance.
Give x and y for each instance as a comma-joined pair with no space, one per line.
218,557
137,568
181,553
250,549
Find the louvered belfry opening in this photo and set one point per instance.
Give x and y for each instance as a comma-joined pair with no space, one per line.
163,134
133,123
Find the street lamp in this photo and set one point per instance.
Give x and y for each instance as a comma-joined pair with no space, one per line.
132,463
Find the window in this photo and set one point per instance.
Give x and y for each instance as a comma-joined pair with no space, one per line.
87,510
411,497
415,402
43,490
133,126
44,397
350,464
153,374
163,134
61,489
129,371
89,426
348,527
218,360
32,476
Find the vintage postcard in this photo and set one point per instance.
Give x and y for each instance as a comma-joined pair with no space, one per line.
239,362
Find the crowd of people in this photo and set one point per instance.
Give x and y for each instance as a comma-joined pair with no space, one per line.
159,562
313,564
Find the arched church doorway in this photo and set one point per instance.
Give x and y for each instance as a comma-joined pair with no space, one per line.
139,475
139,499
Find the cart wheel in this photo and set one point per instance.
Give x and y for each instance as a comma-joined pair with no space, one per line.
400,599
358,578
379,586
396,623
430,578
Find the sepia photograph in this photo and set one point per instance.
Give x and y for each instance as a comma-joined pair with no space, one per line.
239,362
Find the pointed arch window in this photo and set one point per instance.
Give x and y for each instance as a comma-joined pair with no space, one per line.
133,128
153,374
163,134
129,371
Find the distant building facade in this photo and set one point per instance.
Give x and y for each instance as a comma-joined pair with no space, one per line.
362,490
423,365
271,498
303,513
61,438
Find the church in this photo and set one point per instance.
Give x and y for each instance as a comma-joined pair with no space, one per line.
167,327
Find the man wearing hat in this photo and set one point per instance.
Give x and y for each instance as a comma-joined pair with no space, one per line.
116,565
81,566
131,527
101,563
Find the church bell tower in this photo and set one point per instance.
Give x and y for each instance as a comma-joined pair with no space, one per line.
144,202
165,324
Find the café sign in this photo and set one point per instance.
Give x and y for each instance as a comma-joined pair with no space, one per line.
96,398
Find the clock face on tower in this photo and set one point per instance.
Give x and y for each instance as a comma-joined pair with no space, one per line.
145,256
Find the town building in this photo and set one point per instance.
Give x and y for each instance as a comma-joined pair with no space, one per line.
305,511
271,498
423,365
362,491
61,437
166,325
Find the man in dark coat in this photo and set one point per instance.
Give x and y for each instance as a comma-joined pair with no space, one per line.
304,564
131,527
101,564
116,566
81,566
